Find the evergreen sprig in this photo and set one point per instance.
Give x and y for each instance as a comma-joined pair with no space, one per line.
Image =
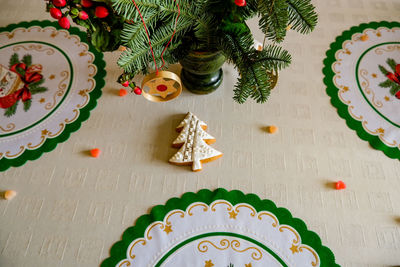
210,25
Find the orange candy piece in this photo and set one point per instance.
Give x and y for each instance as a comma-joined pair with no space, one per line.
272,129
9,194
123,92
95,153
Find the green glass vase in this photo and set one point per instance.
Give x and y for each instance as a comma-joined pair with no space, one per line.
201,71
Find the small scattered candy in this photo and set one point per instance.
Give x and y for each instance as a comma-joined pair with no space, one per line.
64,23
272,129
101,12
83,15
9,194
340,185
364,37
123,92
86,3
137,90
55,13
59,3
95,153
125,84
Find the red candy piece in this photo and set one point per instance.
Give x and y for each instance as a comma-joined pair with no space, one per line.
123,92
340,185
162,87
95,153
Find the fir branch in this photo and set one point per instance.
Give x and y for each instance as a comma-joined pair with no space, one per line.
274,19
273,57
138,57
27,59
11,110
253,79
27,104
302,16
14,60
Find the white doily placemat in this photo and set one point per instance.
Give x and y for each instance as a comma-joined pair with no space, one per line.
362,74
50,79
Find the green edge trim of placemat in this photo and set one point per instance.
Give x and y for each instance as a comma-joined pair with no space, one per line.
332,90
84,113
158,213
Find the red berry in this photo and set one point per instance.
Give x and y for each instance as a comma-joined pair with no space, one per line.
101,12
59,3
86,3
397,95
137,90
240,2
125,84
55,13
123,92
95,153
340,185
83,15
64,23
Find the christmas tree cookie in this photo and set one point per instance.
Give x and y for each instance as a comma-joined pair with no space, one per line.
194,142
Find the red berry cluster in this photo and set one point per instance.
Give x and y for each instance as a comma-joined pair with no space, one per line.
75,10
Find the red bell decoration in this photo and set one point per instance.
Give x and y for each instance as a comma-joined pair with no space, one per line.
64,23
59,3
83,15
240,2
86,3
101,12
55,13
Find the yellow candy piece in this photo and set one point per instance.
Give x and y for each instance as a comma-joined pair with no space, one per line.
10,194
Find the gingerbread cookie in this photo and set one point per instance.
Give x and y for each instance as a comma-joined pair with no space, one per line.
193,142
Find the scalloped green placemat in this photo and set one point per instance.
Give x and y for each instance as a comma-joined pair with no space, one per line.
219,228
362,78
50,80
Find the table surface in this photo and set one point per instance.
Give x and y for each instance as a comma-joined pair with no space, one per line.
71,208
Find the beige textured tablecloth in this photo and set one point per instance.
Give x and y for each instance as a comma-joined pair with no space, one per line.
71,208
